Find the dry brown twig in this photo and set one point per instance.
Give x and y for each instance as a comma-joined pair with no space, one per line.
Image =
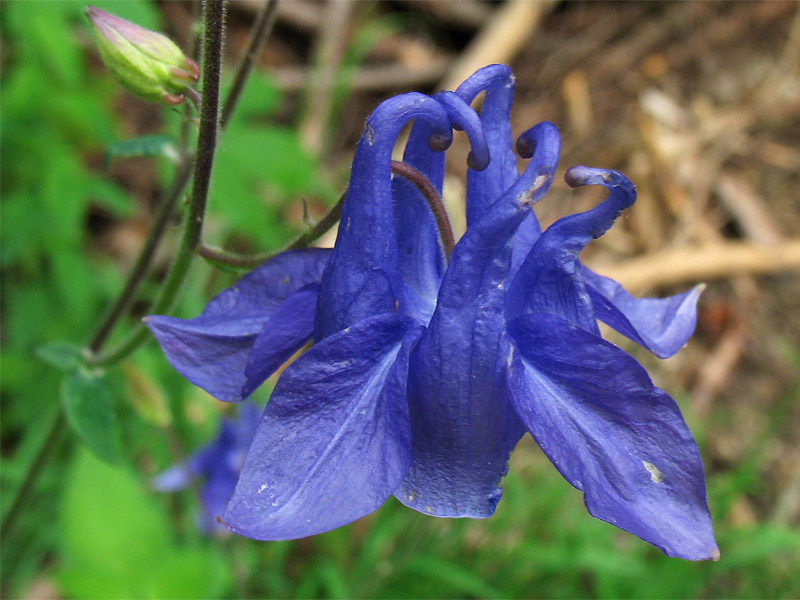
500,40
713,260
330,45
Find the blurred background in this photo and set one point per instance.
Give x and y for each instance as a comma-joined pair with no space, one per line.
698,103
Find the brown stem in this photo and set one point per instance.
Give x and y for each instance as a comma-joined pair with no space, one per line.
434,201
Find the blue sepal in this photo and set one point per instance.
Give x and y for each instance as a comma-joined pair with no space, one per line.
611,433
213,350
463,425
334,440
662,325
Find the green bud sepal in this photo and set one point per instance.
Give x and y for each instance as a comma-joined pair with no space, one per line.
146,63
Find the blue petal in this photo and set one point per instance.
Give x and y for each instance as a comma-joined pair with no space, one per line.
485,186
662,325
421,255
550,279
333,443
199,463
463,425
213,350
287,330
527,234
364,276
466,119
177,477
611,433
214,495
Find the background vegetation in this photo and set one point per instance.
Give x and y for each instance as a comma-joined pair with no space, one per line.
697,103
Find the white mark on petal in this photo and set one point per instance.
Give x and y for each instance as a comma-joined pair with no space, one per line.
655,475
369,134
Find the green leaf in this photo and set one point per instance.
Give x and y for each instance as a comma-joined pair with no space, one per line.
260,98
89,408
111,531
146,145
188,573
60,354
116,542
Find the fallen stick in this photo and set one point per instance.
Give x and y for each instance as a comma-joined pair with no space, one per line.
714,260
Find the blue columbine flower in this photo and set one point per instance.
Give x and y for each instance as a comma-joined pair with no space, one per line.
217,465
426,370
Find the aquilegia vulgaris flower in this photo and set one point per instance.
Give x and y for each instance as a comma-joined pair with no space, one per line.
217,465
430,362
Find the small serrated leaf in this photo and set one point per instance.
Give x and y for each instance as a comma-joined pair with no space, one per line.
90,411
60,354
146,145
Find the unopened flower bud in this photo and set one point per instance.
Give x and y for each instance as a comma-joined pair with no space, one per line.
144,62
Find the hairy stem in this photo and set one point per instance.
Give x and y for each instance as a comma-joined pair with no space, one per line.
214,16
212,63
304,240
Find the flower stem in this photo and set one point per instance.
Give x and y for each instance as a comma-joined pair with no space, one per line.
46,450
143,261
227,260
434,201
214,15
223,259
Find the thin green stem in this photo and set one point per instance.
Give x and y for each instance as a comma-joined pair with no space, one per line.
225,260
259,34
214,16
145,258
212,64
46,450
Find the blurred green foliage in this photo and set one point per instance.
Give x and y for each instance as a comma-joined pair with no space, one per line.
96,531
108,516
